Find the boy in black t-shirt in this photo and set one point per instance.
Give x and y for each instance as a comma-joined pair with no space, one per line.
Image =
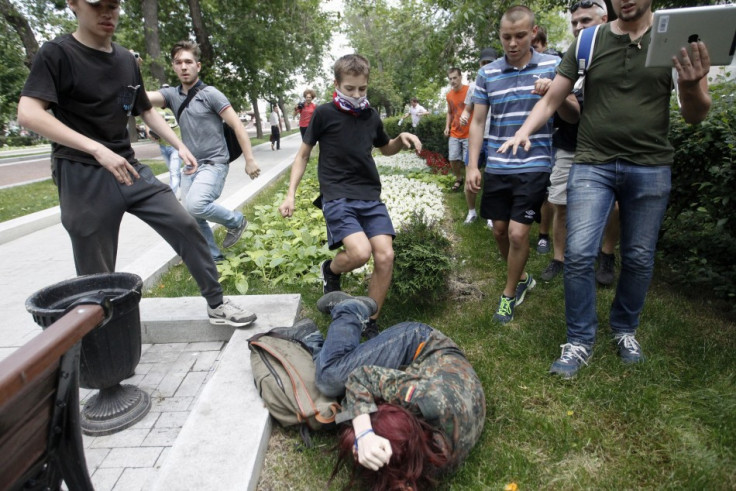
92,86
347,129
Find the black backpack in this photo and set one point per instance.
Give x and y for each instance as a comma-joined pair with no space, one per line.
231,140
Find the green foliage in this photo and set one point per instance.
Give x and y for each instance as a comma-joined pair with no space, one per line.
392,128
422,263
699,231
430,131
18,201
278,250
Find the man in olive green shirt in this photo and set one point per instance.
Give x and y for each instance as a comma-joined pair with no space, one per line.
622,155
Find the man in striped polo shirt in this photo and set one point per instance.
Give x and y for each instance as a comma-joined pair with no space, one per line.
515,185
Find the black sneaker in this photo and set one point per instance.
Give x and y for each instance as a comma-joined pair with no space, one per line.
606,271
370,330
553,269
330,280
328,301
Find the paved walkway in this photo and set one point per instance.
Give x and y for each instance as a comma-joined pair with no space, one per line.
44,257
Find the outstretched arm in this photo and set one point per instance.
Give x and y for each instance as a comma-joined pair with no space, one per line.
297,171
404,140
231,118
157,123
543,110
32,114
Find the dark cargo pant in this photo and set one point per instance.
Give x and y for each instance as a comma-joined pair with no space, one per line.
92,206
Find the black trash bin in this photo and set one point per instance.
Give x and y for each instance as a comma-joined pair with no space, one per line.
109,354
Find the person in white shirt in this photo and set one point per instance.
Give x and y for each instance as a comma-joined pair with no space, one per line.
416,111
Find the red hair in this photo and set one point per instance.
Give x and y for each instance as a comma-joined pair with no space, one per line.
419,452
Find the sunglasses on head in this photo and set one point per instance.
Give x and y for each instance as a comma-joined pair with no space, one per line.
586,4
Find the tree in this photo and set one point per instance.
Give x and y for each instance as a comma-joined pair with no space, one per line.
153,46
21,25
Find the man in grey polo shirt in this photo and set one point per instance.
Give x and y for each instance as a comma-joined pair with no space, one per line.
201,129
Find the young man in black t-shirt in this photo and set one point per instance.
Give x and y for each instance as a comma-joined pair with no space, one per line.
347,129
92,86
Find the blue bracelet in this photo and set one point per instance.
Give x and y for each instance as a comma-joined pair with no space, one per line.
355,444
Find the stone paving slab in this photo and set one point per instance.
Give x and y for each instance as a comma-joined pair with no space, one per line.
203,401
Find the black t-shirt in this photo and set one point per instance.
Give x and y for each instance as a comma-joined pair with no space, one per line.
91,91
566,134
346,167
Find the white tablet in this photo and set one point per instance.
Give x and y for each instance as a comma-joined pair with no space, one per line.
673,29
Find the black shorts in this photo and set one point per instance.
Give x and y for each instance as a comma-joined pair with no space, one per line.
516,197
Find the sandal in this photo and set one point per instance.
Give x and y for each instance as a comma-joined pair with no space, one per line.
458,184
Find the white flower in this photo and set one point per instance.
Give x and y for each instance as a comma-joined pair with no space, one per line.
405,197
405,161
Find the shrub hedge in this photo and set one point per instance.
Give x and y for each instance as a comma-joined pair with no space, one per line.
430,131
698,236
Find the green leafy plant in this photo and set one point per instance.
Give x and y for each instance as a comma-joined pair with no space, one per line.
699,230
422,263
278,250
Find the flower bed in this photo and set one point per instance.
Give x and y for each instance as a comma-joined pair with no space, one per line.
405,197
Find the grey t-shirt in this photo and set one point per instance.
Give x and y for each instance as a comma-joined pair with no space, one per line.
200,122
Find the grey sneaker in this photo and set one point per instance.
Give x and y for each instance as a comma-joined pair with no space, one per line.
628,348
301,329
606,271
523,287
304,331
230,314
330,280
472,216
543,245
573,357
234,234
554,268
328,301
505,312
489,224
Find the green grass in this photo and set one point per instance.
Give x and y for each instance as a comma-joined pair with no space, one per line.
669,423
22,200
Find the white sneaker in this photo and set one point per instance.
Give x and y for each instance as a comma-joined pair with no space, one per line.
489,224
230,314
472,216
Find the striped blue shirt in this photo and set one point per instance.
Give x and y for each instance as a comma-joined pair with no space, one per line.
508,92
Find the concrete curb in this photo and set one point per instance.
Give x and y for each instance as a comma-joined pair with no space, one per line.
223,442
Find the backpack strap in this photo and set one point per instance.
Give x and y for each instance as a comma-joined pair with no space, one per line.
190,95
584,52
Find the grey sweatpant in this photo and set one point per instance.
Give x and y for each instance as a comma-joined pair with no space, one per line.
92,207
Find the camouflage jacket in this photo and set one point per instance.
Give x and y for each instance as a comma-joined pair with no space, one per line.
440,385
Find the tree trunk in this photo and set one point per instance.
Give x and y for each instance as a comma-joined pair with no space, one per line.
203,37
153,45
287,119
22,27
256,115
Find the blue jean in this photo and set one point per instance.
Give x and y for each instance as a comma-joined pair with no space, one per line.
173,162
342,351
642,193
199,192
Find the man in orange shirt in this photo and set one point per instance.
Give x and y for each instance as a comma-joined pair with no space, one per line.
458,133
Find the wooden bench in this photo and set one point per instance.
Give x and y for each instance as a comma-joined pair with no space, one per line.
40,438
